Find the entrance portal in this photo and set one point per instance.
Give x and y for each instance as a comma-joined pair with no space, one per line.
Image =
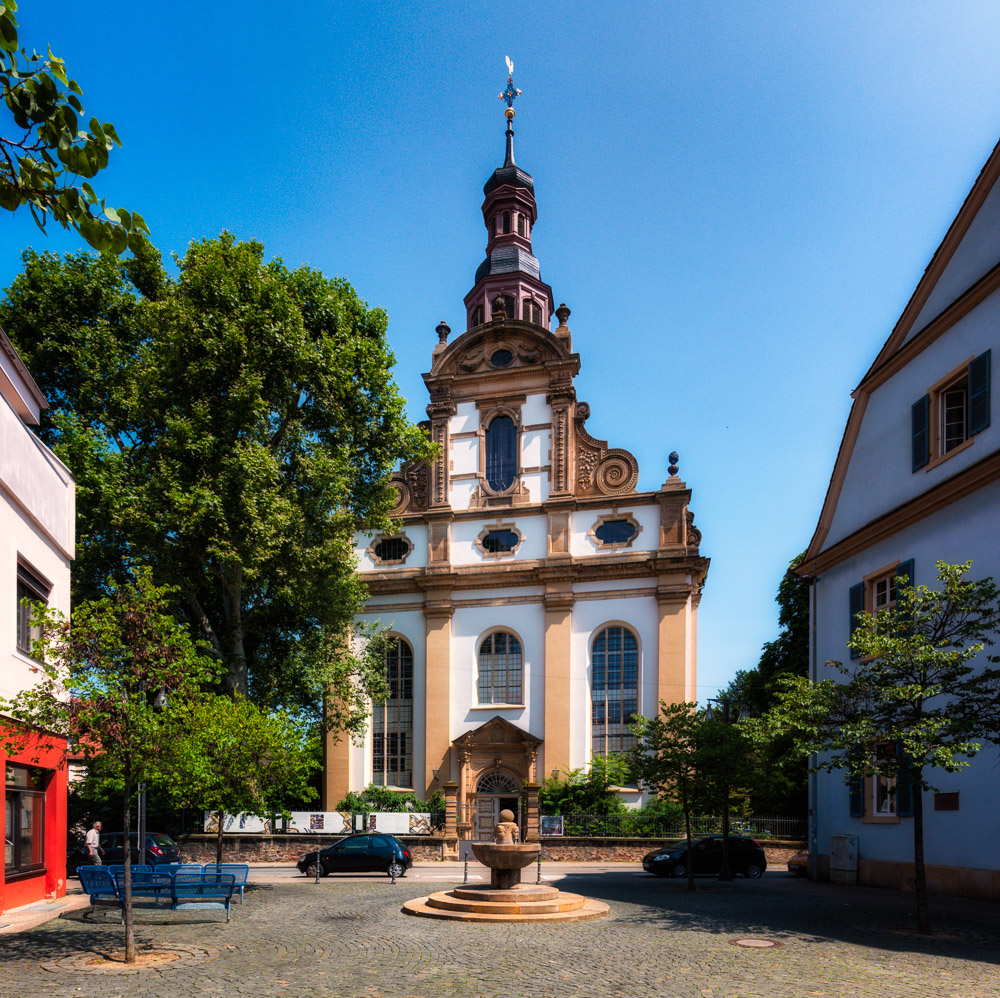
495,791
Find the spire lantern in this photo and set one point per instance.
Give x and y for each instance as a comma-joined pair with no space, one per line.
510,95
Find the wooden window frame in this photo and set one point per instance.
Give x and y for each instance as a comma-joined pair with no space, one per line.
30,584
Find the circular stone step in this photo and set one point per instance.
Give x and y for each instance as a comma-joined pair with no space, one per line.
524,892
590,909
564,902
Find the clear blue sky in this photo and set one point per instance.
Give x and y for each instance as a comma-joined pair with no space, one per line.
735,199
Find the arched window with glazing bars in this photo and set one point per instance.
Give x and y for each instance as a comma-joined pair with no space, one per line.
501,453
392,720
500,668
614,697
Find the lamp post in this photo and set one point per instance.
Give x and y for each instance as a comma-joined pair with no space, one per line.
726,706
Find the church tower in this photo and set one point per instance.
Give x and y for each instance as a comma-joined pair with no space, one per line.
534,599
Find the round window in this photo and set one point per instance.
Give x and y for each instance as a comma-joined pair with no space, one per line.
501,358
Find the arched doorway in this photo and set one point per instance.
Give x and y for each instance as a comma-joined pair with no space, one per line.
495,791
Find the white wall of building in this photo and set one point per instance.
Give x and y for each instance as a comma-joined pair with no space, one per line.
464,533
583,520
963,838
883,451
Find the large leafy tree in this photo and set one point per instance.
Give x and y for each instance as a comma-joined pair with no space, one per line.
106,677
46,158
782,784
232,426
922,695
230,757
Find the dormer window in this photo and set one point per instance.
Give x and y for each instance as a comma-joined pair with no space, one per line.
531,311
506,221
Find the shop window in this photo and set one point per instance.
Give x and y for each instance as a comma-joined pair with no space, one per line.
24,817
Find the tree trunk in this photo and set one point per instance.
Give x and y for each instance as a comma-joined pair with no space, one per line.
919,869
127,877
218,838
236,680
687,855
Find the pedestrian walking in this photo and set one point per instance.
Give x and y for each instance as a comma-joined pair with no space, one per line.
92,843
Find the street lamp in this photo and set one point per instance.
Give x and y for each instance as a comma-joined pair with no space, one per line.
727,706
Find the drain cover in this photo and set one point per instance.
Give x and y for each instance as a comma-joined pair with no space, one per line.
755,943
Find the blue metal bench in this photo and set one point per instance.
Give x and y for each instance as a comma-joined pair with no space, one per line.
99,884
115,868
239,870
203,890
146,885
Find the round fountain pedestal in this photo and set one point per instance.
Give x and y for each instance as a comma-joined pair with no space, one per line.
506,899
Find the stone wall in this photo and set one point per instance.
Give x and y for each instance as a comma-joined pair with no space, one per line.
426,848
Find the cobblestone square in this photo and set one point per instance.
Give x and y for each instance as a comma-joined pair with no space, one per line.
347,937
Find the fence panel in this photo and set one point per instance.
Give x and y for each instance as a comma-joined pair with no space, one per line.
655,826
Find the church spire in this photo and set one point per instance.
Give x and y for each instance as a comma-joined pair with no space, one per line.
510,269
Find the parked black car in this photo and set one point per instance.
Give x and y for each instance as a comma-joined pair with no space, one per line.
745,856
160,848
360,854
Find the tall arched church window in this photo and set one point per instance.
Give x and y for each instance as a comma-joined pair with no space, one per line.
520,225
614,694
506,221
477,315
500,663
501,453
392,720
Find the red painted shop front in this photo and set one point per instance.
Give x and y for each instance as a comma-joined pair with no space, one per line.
34,823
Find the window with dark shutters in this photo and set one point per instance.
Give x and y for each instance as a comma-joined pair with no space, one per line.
979,393
921,415
857,604
856,788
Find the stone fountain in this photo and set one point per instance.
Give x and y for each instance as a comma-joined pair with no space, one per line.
506,899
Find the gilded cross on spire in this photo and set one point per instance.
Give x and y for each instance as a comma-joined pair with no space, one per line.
510,93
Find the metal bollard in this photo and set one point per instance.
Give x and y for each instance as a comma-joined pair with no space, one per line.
538,878
392,872
465,879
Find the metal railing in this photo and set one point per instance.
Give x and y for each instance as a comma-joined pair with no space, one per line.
654,826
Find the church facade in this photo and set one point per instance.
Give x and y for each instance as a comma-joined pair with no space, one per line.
534,599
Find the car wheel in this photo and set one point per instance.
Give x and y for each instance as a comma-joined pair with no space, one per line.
680,870
396,869
754,871
311,871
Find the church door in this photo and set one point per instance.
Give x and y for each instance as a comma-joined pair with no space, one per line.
495,792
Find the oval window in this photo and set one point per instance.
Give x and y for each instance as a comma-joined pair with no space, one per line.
615,532
501,358
499,541
392,549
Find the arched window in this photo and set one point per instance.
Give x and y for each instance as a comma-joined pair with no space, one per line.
509,306
531,312
477,315
501,453
506,221
520,225
614,696
500,669
392,720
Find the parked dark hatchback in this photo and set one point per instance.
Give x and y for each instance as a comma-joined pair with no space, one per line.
745,856
360,854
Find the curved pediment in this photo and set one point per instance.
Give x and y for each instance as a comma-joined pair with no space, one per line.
497,347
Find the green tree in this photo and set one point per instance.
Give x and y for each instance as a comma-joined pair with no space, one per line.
921,696
666,758
47,149
232,426
586,791
228,756
104,677
378,799
781,786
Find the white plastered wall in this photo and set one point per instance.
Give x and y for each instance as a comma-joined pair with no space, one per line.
648,518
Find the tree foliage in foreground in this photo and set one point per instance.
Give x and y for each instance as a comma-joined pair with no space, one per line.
232,427
921,696
105,678
230,757
586,791
44,150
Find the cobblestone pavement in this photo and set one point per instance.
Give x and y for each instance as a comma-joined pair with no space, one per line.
348,938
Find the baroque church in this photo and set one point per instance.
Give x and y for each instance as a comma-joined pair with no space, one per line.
534,599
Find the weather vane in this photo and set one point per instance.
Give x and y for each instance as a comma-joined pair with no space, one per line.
510,93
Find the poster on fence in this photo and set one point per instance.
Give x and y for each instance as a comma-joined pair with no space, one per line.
400,822
248,824
319,823
551,824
